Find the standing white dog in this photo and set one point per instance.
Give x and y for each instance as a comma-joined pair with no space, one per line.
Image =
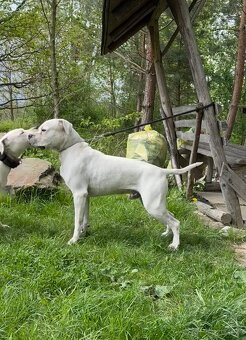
88,172
12,145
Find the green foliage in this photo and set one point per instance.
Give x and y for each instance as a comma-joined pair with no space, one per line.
22,122
106,87
49,155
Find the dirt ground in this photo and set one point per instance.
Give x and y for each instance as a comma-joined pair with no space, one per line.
240,250
216,199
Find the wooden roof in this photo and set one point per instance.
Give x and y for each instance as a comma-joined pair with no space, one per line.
123,18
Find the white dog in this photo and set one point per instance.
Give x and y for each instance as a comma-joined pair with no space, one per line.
88,172
12,145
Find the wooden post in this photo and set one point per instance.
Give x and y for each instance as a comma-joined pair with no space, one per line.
180,11
193,154
166,107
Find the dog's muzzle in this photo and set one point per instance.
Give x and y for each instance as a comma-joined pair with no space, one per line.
30,136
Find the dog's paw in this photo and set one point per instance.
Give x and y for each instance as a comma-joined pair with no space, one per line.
4,225
72,241
173,246
166,233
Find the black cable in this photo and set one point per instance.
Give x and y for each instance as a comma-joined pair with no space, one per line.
113,133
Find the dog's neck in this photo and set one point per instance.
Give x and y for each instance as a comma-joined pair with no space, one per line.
9,161
6,164
74,139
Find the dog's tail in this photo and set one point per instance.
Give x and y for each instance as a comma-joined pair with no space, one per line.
181,171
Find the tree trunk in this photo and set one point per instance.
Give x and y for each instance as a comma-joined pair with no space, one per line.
112,90
239,73
54,72
140,79
12,116
150,84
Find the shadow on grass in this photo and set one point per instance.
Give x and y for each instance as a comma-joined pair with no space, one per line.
137,236
117,221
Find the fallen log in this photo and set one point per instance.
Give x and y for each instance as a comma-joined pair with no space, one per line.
214,213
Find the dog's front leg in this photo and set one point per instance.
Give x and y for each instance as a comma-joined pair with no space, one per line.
85,222
80,202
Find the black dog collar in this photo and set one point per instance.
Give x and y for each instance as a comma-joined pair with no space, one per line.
8,161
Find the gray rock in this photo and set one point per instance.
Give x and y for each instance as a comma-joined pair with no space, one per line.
33,172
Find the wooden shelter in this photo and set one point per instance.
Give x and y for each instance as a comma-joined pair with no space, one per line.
121,20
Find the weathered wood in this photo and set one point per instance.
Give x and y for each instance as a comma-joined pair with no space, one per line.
191,123
233,180
233,155
166,107
212,186
216,214
210,170
184,108
188,123
190,136
180,11
193,154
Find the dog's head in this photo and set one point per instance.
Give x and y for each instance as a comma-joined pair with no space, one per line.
14,142
52,134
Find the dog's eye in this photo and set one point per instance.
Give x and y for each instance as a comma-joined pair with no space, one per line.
43,130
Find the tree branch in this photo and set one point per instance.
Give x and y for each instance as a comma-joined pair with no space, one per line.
18,8
134,65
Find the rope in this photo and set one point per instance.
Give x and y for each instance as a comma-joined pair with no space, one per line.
113,133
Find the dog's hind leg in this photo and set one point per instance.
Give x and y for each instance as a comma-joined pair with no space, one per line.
174,225
156,208
167,232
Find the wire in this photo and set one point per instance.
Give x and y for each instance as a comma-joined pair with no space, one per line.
113,133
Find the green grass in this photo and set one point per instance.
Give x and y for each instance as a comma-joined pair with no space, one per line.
121,282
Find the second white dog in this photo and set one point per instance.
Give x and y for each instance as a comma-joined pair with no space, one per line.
12,145
88,172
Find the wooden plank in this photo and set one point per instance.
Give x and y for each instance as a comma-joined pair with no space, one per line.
241,149
190,136
233,180
184,108
185,123
235,161
202,151
188,123
191,123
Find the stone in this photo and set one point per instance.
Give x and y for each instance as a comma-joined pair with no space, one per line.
33,172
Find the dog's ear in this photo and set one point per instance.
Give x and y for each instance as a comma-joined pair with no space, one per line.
67,126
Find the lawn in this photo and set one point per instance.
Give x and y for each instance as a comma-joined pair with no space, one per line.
120,282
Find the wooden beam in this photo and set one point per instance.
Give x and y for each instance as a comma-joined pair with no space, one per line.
193,154
166,108
180,12
233,180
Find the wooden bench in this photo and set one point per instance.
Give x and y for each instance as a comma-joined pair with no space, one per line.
185,131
